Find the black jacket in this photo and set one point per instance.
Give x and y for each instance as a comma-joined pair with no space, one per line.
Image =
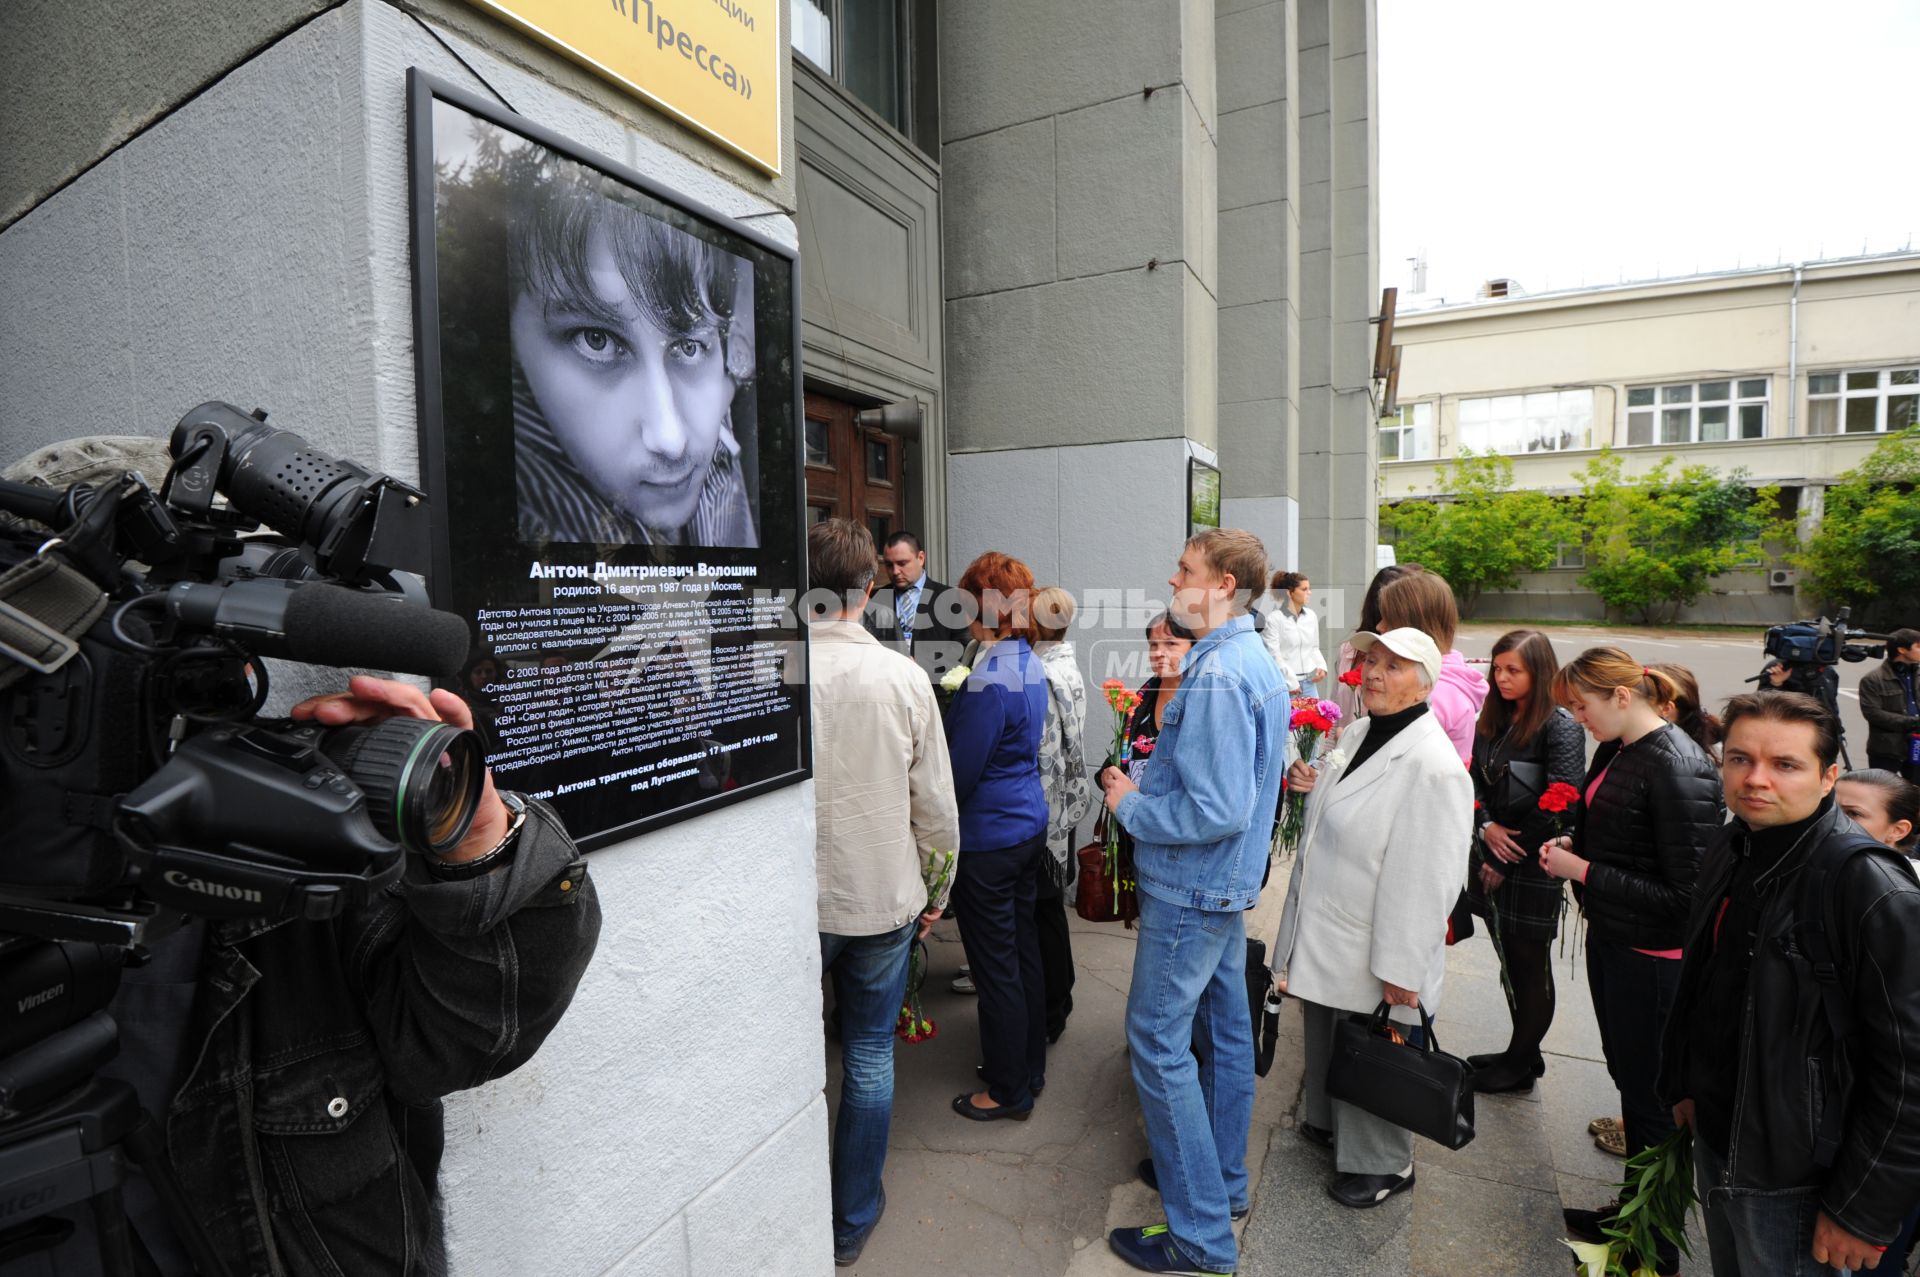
307,1128
939,633
1787,1060
1643,834
1884,703
1559,749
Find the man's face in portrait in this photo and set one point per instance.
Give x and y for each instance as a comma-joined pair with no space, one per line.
638,408
904,564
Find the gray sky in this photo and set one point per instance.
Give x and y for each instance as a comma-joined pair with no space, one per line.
1565,145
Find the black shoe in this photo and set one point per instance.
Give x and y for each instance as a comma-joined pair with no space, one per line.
1152,1181
1315,1134
1362,1191
1034,1085
846,1255
1585,1225
965,1107
1502,1078
1498,1060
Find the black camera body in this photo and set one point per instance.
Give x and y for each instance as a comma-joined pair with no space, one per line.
1823,641
136,772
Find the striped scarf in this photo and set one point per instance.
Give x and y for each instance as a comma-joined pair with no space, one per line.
558,504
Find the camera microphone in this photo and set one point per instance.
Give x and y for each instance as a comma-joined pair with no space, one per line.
321,624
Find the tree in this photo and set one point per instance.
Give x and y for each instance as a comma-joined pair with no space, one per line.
1866,551
1653,543
1482,535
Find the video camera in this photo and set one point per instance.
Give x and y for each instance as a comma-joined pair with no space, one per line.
138,784
1823,641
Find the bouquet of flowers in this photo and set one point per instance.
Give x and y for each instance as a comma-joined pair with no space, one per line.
1655,1197
1312,719
913,1025
1119,752
950,684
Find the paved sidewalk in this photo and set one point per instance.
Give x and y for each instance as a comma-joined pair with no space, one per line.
1002,1199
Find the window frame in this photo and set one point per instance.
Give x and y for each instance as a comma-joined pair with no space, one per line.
1520,422
1882,392
915,68
1402,429
1663,403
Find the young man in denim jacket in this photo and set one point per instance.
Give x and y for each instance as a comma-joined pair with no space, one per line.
1201,823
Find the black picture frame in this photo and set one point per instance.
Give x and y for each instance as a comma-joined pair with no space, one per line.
594,702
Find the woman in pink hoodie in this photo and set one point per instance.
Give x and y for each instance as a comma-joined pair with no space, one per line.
1424,600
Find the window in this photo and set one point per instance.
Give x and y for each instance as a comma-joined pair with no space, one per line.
1409,435
879,461
1544,421
819,442
1863,403
881,51
1698,411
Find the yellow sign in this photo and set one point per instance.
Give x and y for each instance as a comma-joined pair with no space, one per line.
714,65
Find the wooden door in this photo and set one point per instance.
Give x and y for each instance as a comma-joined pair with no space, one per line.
853,472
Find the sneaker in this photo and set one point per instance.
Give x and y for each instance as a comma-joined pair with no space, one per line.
1152,1250
963,983
847,1254
1361,1191
1152,1180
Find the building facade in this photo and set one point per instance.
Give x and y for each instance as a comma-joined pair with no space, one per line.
1056,260
1791,375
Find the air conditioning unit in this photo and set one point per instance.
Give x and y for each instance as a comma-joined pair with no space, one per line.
1782,578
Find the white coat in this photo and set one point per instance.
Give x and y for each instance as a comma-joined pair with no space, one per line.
1381,863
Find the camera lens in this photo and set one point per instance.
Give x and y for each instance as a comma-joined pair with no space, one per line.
422,780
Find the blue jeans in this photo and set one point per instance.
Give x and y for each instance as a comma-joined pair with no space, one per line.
869,984
1190,986
1757,1234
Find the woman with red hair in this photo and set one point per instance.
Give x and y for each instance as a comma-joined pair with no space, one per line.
994,725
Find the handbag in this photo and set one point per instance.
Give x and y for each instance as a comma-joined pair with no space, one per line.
1413,1085
1097,897
1517,786
1263,1004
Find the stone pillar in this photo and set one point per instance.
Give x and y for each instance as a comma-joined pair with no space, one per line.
1298,227
1339,159
1260,215
1079,207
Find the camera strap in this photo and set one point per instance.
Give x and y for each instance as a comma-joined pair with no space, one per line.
44,606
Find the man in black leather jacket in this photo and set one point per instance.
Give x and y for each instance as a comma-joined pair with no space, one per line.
1749,1056
296,1068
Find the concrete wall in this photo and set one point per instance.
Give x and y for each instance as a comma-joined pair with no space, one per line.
1078,181
674,1123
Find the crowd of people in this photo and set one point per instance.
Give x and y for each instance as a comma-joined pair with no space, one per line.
957,784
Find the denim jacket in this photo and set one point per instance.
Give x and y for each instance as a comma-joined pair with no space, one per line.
1202,823
306,1129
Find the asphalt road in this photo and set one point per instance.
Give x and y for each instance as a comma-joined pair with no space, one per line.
1719,659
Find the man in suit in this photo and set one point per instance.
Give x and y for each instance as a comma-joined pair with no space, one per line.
909,615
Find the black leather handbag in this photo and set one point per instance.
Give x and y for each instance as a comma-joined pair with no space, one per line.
1263,1005
1379,1066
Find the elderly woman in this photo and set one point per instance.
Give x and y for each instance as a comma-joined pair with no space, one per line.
1366,912
1069,790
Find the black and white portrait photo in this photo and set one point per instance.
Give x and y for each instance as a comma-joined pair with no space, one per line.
633,372
631,345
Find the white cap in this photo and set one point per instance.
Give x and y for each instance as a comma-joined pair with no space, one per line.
1406,641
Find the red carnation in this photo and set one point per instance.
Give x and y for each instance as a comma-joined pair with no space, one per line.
1351,678
1559,797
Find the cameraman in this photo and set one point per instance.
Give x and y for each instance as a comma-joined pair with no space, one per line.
295,1069
1891,707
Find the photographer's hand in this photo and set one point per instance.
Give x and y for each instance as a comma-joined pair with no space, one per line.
368,700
